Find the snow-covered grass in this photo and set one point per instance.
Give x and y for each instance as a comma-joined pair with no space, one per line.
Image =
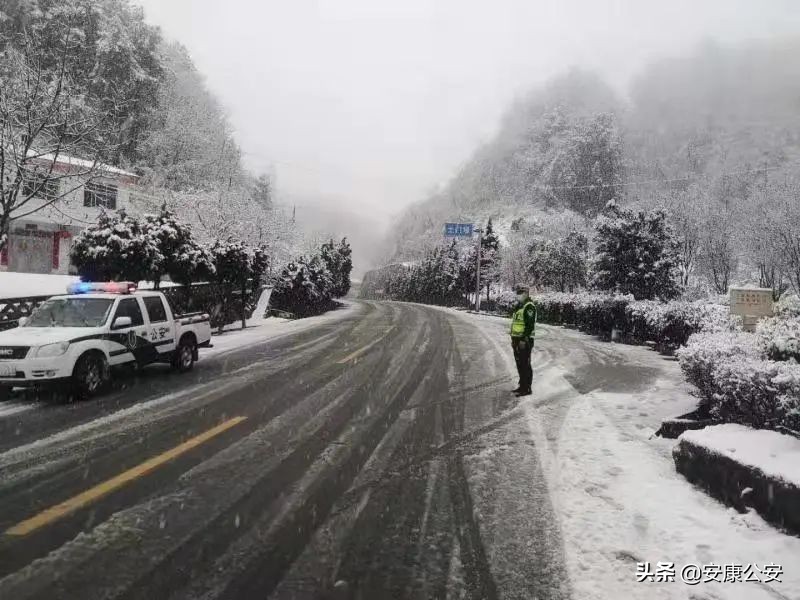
613,485
260,328
773,453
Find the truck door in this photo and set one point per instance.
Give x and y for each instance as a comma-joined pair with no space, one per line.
134,339
161,331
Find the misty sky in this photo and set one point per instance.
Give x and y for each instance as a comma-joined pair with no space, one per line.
365,106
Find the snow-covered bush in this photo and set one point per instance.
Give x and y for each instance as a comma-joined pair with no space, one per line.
306,286
788,306
593,312
303,287
780,337
736,382
668,323
504,302
760,393
672,323
706,351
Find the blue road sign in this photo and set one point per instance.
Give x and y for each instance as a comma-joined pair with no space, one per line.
458,229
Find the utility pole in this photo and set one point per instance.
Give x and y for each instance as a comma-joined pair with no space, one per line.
478,273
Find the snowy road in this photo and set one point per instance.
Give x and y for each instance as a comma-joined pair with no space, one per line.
374,453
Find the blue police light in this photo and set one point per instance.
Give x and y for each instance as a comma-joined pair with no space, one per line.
109,287
81,287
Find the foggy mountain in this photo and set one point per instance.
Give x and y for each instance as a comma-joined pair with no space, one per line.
318,220
721,114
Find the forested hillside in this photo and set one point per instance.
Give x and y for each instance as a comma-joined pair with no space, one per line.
146,108
713,138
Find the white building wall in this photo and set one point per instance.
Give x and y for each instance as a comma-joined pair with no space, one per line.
68,215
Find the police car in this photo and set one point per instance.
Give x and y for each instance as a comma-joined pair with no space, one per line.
76,338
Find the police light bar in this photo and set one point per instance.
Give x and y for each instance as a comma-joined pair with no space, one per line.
105,287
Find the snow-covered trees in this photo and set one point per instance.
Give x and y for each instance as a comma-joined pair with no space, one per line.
783,228
585,171
262,191
306,286
189,144
106,52
559,264
46,113
490,258
127,247
118,247
718,257
338,260
184,260
296,291
635,254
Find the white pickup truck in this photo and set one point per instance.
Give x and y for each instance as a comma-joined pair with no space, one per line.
78,337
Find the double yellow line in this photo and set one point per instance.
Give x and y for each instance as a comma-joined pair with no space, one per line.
102,489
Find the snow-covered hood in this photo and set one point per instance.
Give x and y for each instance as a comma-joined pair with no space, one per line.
39,336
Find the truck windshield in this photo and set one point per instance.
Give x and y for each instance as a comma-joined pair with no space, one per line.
71,312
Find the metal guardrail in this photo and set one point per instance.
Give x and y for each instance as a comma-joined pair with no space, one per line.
13,309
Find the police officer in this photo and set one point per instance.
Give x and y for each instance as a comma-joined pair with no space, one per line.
523,327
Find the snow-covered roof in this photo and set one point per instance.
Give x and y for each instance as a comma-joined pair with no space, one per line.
73,161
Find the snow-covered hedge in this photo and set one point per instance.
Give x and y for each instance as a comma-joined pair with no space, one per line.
593,312
668,323
788,306
504,301
671,323
737,383
780,337
705,351
761,393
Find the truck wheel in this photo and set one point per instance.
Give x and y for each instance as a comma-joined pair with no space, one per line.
184,354
89,376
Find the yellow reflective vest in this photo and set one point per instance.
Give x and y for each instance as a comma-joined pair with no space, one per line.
518,320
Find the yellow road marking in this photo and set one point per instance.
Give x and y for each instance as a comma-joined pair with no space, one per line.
59,510
352,355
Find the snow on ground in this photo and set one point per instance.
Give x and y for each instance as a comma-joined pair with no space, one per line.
613,484
260,328
772,452
20,285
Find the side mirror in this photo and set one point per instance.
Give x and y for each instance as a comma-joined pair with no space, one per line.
22,321
122,323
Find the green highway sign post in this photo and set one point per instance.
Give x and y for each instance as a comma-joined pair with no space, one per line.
458,230
466,230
